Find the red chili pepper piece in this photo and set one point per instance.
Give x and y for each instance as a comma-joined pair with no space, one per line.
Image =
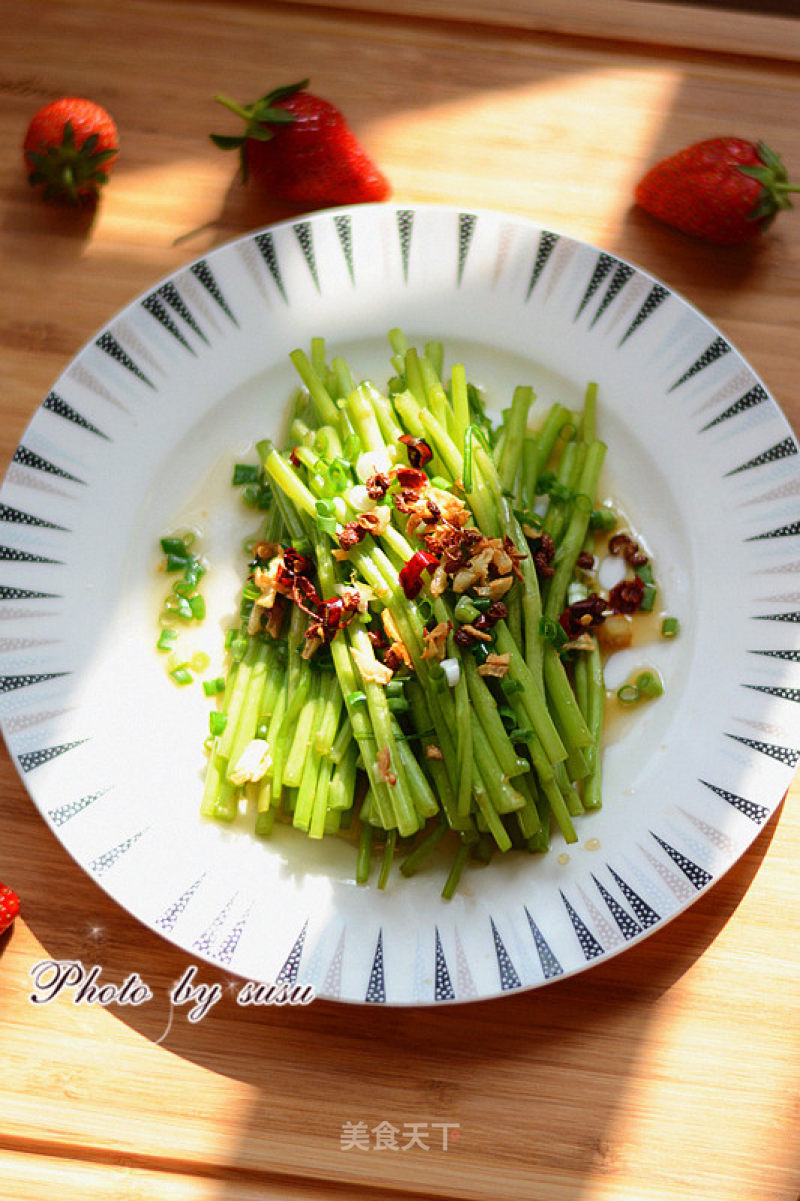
296,563
419,453
627,596
410,477
411,573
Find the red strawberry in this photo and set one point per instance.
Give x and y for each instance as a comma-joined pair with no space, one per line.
725,190
70,147
301,149
9,907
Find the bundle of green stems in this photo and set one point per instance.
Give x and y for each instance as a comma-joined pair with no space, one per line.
458,757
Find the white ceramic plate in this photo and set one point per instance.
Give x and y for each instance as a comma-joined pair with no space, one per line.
190,375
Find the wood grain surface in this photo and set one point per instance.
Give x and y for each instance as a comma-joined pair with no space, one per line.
668,1072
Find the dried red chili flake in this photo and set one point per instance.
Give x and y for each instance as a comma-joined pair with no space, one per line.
410,477
583,615
411,573
296,563
585,560
327,620
626,596
622,544
378,485
514,555
376,638
350,534
419,453
294,458
544,550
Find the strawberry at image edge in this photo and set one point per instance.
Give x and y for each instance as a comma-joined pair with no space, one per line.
725,189
9,907
302,151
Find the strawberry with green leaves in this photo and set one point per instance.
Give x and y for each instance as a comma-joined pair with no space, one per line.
302,151
9,907
724,190
70,147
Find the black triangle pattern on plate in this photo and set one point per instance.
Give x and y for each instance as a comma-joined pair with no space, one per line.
784,754
620,277
790,656
712,353
176,302
17,517
550,965
9,554
29,760
168,918
202,272
694,873
602,267
109,858
786,694
8,593
405,227
756,813
65,813
227,950
628,926
266,246
755,396
656,296
288,973
547,244
589,945
376,988
153,305
790,617
646,915
783,531
10,683
205,941
508,973
781,450
110,346
56,404
466,228
29,458
344,228
302,231
442,984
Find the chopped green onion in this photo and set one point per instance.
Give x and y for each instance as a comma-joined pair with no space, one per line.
603,519
628,694
181,675
648,598
670,627
166,639
217,722
198,606
356,698
177,562
552,631
173,546
425,610
212,687
238,647
246,473
650,683
465,611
